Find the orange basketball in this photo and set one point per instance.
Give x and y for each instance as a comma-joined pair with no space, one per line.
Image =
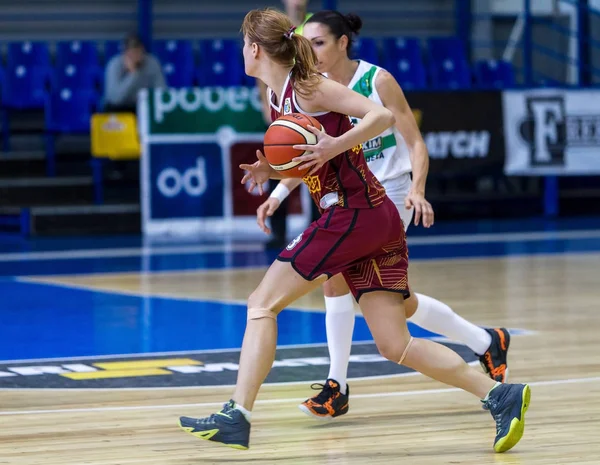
283,133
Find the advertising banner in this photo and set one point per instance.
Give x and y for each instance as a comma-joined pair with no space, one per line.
193,141
552,132
462,130
186,180
204,110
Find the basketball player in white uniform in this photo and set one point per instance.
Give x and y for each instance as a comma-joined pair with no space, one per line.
392,157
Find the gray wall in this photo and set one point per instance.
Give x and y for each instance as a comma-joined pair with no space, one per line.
111,19
193,18
66,19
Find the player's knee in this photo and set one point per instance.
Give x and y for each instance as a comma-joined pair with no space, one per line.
393,350
258,308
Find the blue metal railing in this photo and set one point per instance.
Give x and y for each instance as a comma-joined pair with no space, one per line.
145,21
579,30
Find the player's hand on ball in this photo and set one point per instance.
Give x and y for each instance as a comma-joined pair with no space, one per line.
319,154
257,173
265,210
423,209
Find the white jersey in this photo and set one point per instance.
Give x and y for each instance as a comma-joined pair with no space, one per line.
386,154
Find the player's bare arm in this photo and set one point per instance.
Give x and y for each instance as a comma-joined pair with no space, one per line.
393,99
332,96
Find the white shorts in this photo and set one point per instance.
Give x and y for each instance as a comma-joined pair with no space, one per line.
397,190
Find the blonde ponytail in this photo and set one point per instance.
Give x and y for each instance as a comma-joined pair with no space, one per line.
304,73
273,31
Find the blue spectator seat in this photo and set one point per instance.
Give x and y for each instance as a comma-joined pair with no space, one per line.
177,60
82,53
67,111
401,48
403,60
410,75
25,87
213,49
493,74
174,51
365,48
77,77
177,75
220,73
448,63
70,110
27,54
220,63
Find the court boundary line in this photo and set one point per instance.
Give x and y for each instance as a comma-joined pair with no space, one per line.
46,278
522,332
214,386
441,339
146,251
420,392
165,354
124,252
86,287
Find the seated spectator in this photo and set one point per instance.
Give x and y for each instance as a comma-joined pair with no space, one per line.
126,74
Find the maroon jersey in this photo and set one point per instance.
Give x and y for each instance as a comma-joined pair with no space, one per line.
345,180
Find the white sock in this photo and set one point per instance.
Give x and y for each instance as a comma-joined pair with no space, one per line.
437,317
339,323
245,412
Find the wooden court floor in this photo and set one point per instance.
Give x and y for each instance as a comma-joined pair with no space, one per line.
407,420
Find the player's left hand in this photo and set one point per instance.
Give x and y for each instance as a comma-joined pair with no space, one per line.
257,173
318,154
264,211
423,209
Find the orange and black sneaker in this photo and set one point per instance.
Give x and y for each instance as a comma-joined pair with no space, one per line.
329,403
494,360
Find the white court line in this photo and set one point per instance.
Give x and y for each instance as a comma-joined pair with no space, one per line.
47,281
48,278
164,354
176,353
503,237
423,392
474,363
257,247
130,252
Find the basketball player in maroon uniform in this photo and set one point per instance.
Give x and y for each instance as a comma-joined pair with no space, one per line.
359,234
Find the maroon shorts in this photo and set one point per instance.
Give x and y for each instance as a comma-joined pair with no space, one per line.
367,245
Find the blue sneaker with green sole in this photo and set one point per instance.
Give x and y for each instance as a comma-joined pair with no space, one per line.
508,403
228,426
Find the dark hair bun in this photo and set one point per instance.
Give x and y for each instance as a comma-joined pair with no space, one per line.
354,22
